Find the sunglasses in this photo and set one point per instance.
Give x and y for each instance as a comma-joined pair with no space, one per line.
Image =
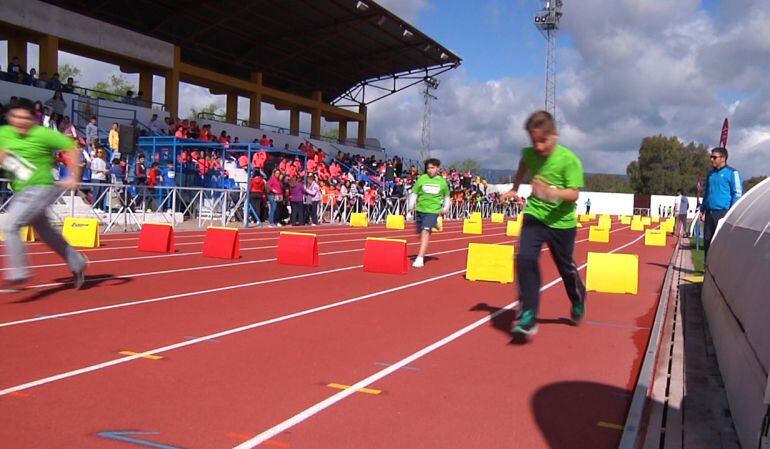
716,157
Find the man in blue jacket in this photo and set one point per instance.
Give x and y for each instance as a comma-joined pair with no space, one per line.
723,189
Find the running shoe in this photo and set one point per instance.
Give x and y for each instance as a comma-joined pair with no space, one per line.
14,286
418,262
527,324
577,312
79,277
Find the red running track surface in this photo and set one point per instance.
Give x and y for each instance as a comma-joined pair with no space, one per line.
565,389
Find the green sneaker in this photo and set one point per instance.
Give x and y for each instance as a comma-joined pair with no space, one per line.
578,312
527,324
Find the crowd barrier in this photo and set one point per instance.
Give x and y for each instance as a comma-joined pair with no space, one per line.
126,207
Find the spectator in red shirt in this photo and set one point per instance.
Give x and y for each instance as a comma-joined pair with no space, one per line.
264,141
257,196
274,195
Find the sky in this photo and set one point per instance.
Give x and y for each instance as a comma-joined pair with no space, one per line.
626,69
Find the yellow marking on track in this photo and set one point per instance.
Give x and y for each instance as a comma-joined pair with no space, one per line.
360,390
145,356
609,425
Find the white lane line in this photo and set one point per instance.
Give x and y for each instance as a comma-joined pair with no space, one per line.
212,290
226,265
162,256
337,397
219,335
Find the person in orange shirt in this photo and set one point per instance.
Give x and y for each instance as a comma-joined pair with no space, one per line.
243,161
283,165
264,141
291,170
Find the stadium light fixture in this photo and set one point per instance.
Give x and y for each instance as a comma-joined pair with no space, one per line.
361,6
407,34
444,56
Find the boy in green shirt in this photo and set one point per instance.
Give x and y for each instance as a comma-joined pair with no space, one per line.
27,150
549,217
429,198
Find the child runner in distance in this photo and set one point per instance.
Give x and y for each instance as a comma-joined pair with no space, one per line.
429,199
549,218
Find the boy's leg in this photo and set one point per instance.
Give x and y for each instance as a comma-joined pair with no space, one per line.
424,240
533,234
22,208
562,246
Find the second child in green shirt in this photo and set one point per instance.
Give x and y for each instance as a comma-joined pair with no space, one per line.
429,199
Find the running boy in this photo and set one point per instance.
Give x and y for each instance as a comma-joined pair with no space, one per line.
429,198
549,217
27,150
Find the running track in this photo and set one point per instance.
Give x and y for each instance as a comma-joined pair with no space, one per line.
249,348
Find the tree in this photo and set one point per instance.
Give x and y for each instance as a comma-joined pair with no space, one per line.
666,165
69,71
332,134
470,165
607,183
208,111
751,182
113,89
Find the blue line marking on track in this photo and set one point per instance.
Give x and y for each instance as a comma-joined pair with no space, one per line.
209,340
410,368
120,435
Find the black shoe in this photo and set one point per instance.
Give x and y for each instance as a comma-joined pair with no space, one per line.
577,312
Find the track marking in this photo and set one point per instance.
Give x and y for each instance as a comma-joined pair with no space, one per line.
143,355
279,319
618,325
20,394
409,368
337,397
192,337
360,390
226,265
609,425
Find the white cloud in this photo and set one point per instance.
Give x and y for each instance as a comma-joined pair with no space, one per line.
408,10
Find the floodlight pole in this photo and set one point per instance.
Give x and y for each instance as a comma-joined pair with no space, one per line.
547,21
431,84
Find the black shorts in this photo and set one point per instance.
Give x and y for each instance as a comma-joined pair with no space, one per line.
425,221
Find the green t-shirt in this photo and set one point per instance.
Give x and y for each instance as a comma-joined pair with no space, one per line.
430,193
36,148
562,169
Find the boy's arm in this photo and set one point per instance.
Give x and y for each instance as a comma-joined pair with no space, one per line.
520,172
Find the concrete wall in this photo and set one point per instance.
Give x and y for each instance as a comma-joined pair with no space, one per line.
669,200
601,202
735,299
48,19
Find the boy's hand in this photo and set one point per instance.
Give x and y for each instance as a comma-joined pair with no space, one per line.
542,189
510,195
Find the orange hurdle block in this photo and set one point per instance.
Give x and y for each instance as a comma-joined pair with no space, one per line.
298,248
157,238
385,256
222,243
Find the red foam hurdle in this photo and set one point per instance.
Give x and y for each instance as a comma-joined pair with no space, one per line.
385,256
222,243
157,238
298,248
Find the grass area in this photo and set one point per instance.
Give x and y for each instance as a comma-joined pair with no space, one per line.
697,260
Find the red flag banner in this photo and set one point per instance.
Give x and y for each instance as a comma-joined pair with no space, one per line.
723,138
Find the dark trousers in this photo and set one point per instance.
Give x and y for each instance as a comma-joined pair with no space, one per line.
311,212
297,213
710,226
561,242
256,205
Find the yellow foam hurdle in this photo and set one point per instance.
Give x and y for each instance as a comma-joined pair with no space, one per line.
637,225
488,262
655,219
654,237
513,229
359,220
583,218
668,226
27,234
471,226
605,222
625,220
612,273
646,221
81,232
498,218
440,224
592,216
476,216
395,222
598,234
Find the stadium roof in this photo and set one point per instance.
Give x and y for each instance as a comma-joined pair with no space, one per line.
299,46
